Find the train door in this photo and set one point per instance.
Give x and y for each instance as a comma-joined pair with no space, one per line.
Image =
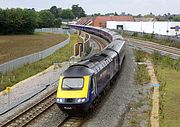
94,85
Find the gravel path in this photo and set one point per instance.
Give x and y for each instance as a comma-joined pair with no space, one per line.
115,104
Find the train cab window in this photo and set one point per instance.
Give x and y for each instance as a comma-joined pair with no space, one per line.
72,83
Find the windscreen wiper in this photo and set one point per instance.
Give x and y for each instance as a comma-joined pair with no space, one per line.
68,86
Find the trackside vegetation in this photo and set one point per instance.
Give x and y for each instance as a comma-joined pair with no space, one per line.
142,73
63,54
168,74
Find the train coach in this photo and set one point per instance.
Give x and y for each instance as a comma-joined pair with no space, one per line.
81,84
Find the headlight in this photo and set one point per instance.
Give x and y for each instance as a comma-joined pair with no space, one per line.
81,100
59,100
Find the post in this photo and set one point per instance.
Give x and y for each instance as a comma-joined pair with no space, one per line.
8,90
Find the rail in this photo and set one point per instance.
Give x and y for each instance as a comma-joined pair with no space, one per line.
151,47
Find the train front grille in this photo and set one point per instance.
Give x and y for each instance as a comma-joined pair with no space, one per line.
69,100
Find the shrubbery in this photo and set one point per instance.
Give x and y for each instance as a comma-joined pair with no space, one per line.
18,21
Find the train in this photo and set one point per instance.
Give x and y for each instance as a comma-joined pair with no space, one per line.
82,83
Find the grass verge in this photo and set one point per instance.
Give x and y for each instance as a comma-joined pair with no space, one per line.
142,72
168,74
13,77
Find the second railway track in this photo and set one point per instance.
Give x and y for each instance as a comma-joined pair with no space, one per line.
175,52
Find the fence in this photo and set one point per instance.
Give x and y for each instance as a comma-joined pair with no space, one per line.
56,30
14,64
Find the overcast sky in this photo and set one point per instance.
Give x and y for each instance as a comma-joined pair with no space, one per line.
101,6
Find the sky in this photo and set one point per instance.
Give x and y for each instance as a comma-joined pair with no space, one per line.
101,6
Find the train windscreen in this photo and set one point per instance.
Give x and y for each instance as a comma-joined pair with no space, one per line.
72,83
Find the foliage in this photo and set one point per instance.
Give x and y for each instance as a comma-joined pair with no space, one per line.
140,56
167,71
24,21
55,11
58,22
17,21
78,11
142,74
166,61
46,19
176,18
67,14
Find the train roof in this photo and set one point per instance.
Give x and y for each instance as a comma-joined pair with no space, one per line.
89,66
109,53
116,45
77,71
117,37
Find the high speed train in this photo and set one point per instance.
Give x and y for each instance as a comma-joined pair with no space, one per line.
82,83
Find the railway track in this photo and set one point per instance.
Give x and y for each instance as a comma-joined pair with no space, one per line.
164,50
72,122
35,110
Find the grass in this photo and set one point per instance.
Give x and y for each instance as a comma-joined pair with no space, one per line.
142,72
140,56
22,45
63,54
150,37
168,74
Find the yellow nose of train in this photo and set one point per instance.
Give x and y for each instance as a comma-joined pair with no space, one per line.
73,87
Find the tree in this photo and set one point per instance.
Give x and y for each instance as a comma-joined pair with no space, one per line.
151,15
96,14
46,19
78,11
67,14
17,21
115,14
55,11
58,22
176,18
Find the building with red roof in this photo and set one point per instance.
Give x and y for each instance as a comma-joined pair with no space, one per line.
100,21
